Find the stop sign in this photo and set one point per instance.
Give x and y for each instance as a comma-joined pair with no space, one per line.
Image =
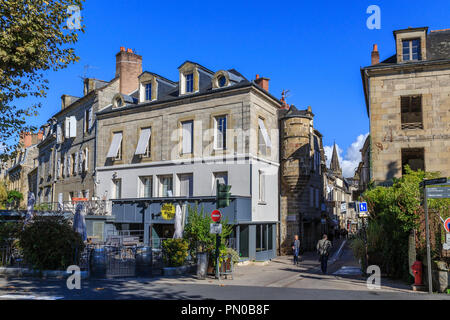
216,215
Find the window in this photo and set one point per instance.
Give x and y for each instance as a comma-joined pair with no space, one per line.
115,149
74,163
186,185
85,164
264,237
414,157
148,91
146,187
263,138
118,102
262,186
222,81
166,186
411,50
411,112
117,188
144,144
190,82
86,120
258,238
270,237
317,198
187,136
311,196
220,132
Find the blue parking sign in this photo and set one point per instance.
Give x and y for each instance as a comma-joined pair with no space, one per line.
363,207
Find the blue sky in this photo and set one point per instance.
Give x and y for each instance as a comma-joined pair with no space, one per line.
313,48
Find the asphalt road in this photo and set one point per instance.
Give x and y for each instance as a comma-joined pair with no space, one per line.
277,280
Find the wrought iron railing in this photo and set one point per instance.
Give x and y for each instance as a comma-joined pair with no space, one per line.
412,125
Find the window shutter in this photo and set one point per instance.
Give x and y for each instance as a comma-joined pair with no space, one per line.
58,133
58,167
80,161
75,169
67,128
73,127
91,118
86,160
69,164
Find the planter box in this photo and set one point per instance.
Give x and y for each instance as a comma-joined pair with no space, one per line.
176,271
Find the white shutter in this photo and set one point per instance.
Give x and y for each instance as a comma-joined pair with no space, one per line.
115,144
67,128
73,127
264,133
69,164
187,137
58,167
143,141
91,118
76,163
58,133
86,160
80,161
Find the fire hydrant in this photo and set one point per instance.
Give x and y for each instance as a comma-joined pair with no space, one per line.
417,271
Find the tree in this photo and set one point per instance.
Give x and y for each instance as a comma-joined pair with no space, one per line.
34,38
3,194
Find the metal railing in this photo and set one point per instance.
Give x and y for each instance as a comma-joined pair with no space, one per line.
93,207
412,126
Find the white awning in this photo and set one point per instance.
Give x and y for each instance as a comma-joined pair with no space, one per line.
143,141
264,133
115,145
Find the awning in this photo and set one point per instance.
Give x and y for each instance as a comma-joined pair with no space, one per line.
264,133
115,145
143,141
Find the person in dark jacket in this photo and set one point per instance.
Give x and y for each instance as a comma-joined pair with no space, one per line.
296,249
323,249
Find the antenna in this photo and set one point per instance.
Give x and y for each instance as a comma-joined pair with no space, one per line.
86,68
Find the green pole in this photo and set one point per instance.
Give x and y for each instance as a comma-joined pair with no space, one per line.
427,226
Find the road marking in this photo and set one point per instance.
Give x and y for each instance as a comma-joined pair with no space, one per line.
345,270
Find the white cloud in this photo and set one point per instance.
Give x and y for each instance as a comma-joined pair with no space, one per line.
349,162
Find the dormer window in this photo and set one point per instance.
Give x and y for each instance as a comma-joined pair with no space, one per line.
411,50
222,81
148,91
118,103
190,82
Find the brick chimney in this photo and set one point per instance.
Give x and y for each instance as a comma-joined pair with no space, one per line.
262,82
128,68
375,55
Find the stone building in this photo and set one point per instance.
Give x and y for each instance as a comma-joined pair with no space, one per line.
168,148
408,102
67,153
21,169
302,167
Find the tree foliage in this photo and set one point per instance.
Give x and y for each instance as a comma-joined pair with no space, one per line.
394,212
50,243
175,252
34,39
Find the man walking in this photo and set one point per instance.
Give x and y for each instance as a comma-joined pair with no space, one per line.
296,249
323,249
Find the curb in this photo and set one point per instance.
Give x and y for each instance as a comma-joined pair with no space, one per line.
24,272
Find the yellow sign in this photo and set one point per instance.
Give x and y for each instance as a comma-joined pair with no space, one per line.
168,211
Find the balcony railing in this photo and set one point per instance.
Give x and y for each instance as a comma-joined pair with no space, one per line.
92,207
412,126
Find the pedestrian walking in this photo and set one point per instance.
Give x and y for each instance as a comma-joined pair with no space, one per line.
323,249
296,249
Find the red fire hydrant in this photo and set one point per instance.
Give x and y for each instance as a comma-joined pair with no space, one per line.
417,271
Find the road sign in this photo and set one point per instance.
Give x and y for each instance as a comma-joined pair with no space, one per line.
433,182
344,207
215,228
438,192
447,225
216,216
363,209
446,245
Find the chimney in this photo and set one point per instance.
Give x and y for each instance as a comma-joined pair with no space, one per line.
262,82
375,55
26,139
128,68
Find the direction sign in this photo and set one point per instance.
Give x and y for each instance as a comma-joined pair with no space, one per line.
216,216
438,192
215,228
447,225
343,207
433,181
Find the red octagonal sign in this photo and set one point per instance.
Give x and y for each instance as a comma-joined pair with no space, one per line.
216,215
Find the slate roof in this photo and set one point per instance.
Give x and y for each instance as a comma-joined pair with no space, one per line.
237,80
438,47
